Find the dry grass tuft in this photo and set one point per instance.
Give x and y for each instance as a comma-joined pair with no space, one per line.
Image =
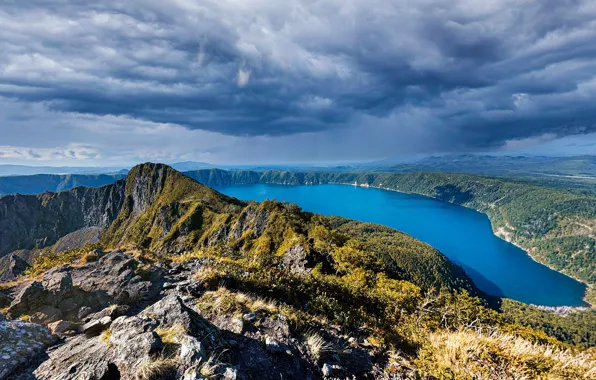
317,345
159,369
172,335
223,301
468,354
105,337
89,257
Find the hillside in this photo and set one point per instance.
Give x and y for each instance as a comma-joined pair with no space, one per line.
555,226
280,292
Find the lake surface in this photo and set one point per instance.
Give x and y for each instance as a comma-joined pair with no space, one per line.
463,235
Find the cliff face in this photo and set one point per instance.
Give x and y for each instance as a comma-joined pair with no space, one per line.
29,221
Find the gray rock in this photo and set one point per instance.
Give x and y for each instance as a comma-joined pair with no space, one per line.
192,351
230,374
171,311
327,370
250,317
58,280
21,342
96,326
12,266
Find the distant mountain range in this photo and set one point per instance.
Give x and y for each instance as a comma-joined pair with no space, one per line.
576,166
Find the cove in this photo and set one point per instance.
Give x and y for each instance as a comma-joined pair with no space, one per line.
463,235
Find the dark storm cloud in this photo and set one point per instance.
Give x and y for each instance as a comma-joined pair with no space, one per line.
473,73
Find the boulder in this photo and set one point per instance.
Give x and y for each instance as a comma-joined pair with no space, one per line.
77,292
171,311
58,281
133,341
31,297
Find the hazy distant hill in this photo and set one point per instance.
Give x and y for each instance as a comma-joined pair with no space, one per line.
577,166
10,170
40,183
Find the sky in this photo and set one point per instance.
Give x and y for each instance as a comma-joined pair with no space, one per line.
267,81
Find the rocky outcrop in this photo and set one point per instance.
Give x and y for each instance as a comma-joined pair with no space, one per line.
72,293
12,266
29,221
133,343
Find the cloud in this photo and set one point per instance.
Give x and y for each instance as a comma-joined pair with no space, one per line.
442,75
70,152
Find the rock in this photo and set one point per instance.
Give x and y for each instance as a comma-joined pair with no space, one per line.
12,266
327,370
46,315
171,311
192,351
274,346
60,327
96,326
58,280
30,298
237,325
77,292
250,317
21,342
230,374
133,341
191,374
84,311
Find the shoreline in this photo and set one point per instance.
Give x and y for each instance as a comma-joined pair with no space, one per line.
553,309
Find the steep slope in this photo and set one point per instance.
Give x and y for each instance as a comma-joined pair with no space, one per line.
168,212
30,221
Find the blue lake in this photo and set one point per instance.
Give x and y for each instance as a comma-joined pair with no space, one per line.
463,235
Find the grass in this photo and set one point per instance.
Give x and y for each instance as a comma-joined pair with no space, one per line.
105,337
467,354
89,257
172,335
224,301
158,369
317,345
